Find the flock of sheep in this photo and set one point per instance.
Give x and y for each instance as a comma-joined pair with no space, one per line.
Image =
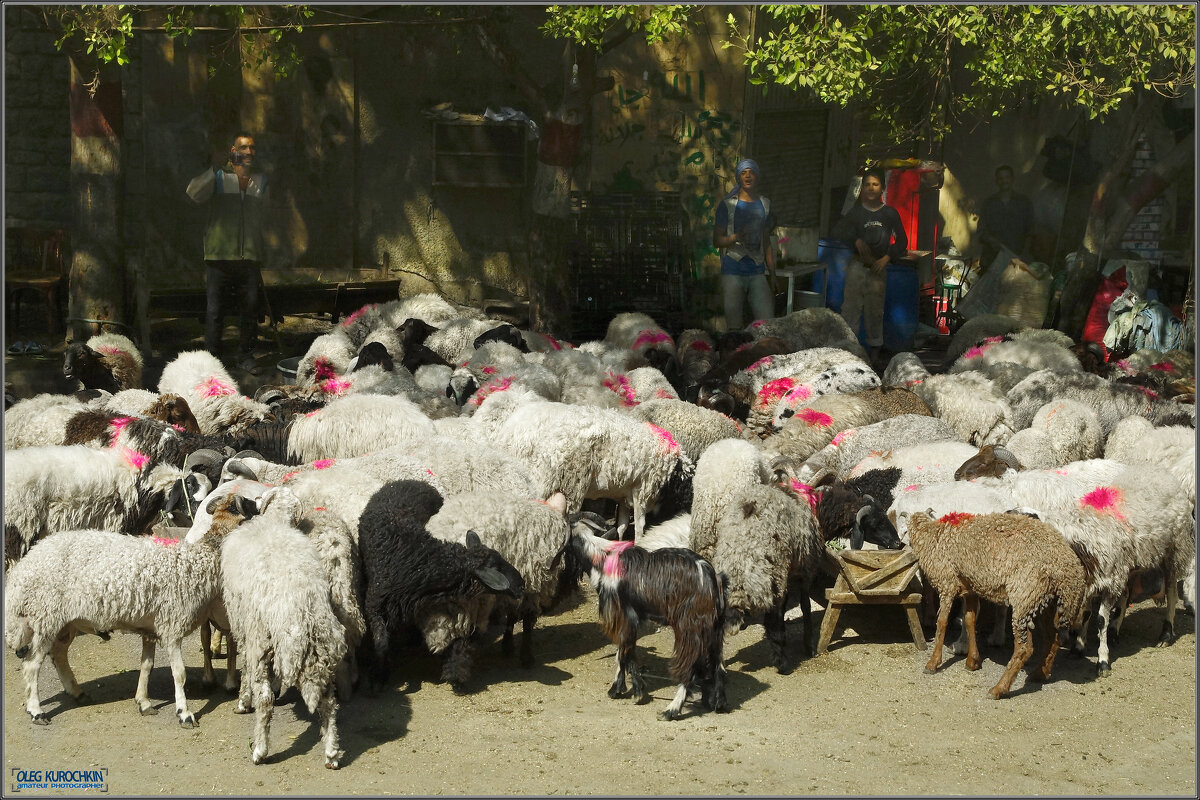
433,470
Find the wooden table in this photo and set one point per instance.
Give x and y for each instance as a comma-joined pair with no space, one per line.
873,578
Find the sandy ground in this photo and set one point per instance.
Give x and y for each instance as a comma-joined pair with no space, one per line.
861,719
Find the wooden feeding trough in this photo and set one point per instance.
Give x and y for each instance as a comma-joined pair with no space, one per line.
873,578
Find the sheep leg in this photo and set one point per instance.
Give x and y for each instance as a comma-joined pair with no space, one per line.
776,631
231,682
527,622
1168,631
263,709
379,635
970,614
1022,650
939,637
456,669
999,626
328,709
207,678
142,695
639,517
1103,665
31,669
506,644
58,655
672,711
1080,642
622,520
626,641
809,643
716,697
186,718
1051,637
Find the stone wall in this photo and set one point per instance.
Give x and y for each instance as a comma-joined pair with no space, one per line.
37,126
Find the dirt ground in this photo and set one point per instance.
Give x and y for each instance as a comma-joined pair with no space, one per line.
861,719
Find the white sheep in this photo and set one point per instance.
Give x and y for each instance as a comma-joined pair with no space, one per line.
694,427
93,581
852,445
39,420
1135,440
213,396
968,401
278,600
1061,432
354,425
724,472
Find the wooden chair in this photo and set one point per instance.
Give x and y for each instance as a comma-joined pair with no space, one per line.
33,262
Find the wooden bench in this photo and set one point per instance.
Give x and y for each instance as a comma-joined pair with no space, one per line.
873,578
287,291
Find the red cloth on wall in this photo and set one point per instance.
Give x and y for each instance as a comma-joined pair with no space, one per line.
1097,319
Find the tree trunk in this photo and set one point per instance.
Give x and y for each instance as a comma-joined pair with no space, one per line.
97,274
1111,213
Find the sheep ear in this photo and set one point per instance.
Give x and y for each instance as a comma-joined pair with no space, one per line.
491,578
244,506
473,540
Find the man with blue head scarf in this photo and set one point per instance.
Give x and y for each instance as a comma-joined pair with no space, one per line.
742,231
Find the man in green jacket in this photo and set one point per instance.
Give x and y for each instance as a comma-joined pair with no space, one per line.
233,243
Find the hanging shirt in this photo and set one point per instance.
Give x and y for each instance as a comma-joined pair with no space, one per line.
747,257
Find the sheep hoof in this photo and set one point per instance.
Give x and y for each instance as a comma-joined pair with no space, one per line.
186,719
83,699
642,699
257,757
930,670
331,764
459,688
1167,636
40,719
1076,651
615,691
1104,669
996,694
147,710
783,667
242,707
668,715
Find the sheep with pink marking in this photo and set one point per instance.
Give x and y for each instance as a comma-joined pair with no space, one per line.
813,427
211,393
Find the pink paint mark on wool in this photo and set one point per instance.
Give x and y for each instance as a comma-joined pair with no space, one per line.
289,476
815,418
178,427
841,436
798,393
489,370
807,492
1104,499
109,350
621,386
912,487
916,382
765,361
463,364
665,436
1163,366
612,558
651,337
742,347
1060,472
993,339
955,517
774,390
488,389
663,394
164,542
974,352
758,323
313,413
429,472
335,386
553,342
352,317
701,345
215,387
324,368
133,458
1123,364
1153,395
324,463
118,424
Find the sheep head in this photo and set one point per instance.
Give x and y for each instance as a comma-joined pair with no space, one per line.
871,524
373,353
174,410
85,365
991,461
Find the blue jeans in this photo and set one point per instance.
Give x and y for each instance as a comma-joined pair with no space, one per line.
224,277
737,289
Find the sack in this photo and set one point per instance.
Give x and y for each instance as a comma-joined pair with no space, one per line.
1025,293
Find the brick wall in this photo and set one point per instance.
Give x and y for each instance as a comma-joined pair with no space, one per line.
37,125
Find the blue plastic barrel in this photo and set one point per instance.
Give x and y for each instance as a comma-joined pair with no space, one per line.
900,308
835,256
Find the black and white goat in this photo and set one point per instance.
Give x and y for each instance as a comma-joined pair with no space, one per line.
672,586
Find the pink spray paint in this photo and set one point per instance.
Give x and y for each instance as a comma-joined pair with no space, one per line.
215,387
665,437
1104,500
815,418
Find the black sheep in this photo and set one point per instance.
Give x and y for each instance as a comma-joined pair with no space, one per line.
374,353
503,333
445,589
90,368
856,509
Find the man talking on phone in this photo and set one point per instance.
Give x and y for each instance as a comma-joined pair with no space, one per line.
233,244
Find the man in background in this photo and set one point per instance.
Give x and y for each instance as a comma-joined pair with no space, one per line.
1006,220
233,244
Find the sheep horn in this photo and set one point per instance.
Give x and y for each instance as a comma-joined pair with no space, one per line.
235,466
785,465
248,454
1006,455
202,458
858,536
269,394
824,476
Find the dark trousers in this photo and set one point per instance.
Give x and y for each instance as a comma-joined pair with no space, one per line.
226,278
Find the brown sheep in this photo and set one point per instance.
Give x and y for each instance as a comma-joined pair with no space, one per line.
1003,558
991,461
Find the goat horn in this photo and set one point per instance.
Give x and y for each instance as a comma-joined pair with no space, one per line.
204,457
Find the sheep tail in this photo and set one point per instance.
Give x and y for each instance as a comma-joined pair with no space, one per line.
1089,562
